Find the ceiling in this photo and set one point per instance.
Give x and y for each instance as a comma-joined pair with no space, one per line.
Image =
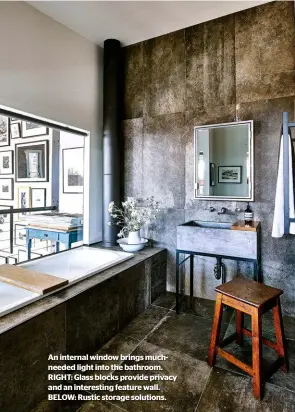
134,21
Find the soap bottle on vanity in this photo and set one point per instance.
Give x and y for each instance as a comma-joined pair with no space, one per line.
248,215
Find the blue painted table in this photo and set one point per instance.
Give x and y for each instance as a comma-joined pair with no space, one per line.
57,236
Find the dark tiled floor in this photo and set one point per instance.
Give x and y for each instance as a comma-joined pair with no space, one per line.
227,391
200,307
166,300
145,322
184,339
181,395
182,333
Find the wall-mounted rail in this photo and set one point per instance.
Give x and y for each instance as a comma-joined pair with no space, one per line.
26,210
8,241
286,133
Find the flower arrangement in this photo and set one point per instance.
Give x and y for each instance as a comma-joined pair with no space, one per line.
133,214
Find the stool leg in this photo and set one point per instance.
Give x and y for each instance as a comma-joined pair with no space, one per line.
239,327
257,354
280,335
215,330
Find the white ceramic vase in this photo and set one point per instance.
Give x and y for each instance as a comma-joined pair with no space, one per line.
134,238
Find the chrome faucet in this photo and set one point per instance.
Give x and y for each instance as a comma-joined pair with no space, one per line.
222,211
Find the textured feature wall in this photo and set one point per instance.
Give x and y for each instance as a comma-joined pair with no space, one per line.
241,64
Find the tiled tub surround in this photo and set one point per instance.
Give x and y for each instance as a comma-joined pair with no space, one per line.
241,64
76,320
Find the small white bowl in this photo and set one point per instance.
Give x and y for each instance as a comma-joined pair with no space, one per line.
132,248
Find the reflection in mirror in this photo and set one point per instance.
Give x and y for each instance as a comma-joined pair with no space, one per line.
224,161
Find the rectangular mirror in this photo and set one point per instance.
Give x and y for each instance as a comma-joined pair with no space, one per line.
224,168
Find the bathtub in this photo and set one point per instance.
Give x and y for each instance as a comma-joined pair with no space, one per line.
74,265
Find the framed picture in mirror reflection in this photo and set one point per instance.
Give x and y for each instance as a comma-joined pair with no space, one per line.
230,174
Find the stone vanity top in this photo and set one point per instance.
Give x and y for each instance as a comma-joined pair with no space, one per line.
14,319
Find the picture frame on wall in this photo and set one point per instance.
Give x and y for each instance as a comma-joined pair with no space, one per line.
32,129
31,161
15,130
4,131
73,170
24,199
6,189
230,174
19,234
38,197
6,162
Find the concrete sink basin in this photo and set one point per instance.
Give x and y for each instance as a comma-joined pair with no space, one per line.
218,239
212,225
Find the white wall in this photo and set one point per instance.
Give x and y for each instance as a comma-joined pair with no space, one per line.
49,71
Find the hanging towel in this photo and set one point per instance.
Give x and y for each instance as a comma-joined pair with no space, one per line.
278,220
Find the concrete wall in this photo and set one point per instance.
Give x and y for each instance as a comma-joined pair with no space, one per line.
241,64
49,71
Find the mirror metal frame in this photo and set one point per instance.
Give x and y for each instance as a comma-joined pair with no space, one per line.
249,198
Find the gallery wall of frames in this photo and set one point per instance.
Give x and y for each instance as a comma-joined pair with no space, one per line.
25,167
39,166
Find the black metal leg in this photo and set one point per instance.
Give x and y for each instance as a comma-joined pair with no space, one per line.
223,273
255,275
177,282
259,274
191,275
217,268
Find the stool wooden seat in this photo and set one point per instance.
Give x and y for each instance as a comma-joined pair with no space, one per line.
253,298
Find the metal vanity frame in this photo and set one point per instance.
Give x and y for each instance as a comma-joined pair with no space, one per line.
257,276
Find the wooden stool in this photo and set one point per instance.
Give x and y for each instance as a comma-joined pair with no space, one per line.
253,298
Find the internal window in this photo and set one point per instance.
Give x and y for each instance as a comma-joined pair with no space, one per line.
41,189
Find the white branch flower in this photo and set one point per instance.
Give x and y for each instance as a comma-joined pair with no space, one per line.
133,214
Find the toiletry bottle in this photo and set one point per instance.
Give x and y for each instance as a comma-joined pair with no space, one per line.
248,215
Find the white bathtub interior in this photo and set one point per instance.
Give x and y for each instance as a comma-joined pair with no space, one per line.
12,297
73,265
77,264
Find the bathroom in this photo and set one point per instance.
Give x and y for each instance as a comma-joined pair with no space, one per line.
237,66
